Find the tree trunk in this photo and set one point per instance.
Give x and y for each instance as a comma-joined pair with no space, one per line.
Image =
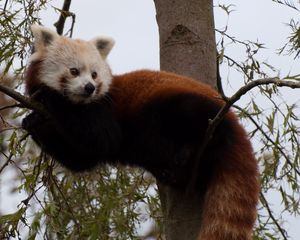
187,47
187,38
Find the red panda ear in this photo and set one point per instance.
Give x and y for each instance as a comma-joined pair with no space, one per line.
103,44
42,36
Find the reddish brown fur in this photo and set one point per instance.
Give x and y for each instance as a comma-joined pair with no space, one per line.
231,199
33,81
133,90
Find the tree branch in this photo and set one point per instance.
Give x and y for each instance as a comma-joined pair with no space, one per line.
60,24
25,102
213,123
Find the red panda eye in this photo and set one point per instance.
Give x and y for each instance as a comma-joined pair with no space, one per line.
74,71
94,75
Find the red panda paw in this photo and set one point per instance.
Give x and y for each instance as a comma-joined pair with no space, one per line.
31,121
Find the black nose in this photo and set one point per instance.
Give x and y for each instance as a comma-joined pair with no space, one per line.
89,88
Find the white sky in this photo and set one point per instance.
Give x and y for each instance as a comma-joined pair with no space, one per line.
132,24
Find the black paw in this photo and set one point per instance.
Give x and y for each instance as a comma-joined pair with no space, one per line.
32,121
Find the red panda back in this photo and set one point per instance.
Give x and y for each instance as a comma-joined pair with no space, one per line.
133,90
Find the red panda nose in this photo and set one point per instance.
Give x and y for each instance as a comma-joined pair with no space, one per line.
89,88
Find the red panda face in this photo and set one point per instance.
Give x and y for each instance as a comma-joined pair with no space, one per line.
75,68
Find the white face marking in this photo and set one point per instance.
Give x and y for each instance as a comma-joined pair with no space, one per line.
90,79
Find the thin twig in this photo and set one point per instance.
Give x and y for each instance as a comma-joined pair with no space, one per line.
233,39
8,129
266,205
229,59
66,201
5,6
11,154
72,24
6,162
10,106
33,194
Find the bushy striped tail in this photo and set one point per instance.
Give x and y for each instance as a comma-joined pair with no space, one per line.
229,210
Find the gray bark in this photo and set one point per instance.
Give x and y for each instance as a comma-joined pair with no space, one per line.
187,38
187,47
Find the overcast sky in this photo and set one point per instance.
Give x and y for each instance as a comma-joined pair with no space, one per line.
133,26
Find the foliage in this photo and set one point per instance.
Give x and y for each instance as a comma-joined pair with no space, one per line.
16,17
110,203
275,127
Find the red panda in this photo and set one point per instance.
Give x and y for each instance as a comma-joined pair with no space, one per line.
152,119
